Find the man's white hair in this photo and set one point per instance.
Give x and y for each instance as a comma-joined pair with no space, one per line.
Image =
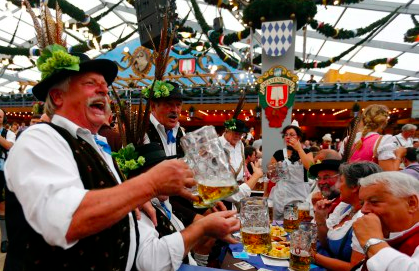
397,183
409,127
50,107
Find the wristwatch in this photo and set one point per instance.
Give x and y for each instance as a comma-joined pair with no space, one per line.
371,242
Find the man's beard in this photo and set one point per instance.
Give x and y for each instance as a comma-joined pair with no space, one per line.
331,193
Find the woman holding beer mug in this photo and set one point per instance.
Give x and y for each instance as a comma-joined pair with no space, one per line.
335,232
297,161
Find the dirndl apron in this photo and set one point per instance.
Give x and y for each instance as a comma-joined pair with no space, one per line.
291,190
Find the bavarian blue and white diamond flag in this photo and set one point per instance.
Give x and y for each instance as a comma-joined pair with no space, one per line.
277,37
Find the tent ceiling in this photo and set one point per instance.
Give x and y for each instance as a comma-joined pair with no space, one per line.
387,42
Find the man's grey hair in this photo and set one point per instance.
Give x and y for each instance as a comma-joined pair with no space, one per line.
50,107
355,171
397,183
409,127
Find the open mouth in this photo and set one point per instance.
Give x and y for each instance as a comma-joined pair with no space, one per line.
98,107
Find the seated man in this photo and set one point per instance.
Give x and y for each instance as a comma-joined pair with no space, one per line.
170,240
327,175
389,230
411,163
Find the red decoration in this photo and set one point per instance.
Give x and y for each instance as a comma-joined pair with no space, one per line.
276,116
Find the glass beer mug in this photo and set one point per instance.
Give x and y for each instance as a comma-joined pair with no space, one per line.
304,212
300,247
211,166
291,221
199,204
255,226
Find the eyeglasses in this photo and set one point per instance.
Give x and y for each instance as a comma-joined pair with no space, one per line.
290,135
327,178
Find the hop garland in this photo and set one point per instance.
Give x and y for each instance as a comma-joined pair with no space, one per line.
128,159
390,62
412,35
55,57
161,89
341,34
258,11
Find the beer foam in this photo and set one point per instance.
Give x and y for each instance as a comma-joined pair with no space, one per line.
256,230
302,253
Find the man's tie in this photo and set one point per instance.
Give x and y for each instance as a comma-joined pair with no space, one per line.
170,137
168,213
105,146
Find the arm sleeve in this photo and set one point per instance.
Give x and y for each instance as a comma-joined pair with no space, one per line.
390,259
162,254
50,189
386,148
279,155
244,192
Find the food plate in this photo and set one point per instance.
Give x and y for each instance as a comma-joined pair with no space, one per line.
279,251
278,231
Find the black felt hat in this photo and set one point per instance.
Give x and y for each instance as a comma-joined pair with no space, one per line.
106,67
327,164
236,125
175,93
153,154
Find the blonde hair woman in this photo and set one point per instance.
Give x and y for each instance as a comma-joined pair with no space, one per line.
370,145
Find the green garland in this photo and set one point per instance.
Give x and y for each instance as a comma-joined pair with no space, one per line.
412,35
389,61
329,31
262,10
206,29
222,4
300,64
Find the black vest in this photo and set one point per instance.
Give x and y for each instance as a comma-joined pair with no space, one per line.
106,250
154,136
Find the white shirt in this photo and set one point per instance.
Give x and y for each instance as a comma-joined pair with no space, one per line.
11,137
169,149
389,259
43,174
400,141
236,155
161,254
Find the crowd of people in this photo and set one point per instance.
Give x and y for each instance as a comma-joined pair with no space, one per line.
69,207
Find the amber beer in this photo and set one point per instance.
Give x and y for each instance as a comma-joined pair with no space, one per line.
200,204
304,215
291,221
256,240
291,225
211,194
258,186
300,261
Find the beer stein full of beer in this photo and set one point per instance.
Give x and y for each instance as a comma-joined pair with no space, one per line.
255,227
291,220
211,166
300,247
304,212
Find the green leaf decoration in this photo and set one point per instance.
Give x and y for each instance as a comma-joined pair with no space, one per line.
55,57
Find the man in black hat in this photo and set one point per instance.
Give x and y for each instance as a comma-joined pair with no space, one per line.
231,142
171,240
164,127
327,176
67,207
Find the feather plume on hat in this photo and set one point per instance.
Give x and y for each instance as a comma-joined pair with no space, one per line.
133,127
48,31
